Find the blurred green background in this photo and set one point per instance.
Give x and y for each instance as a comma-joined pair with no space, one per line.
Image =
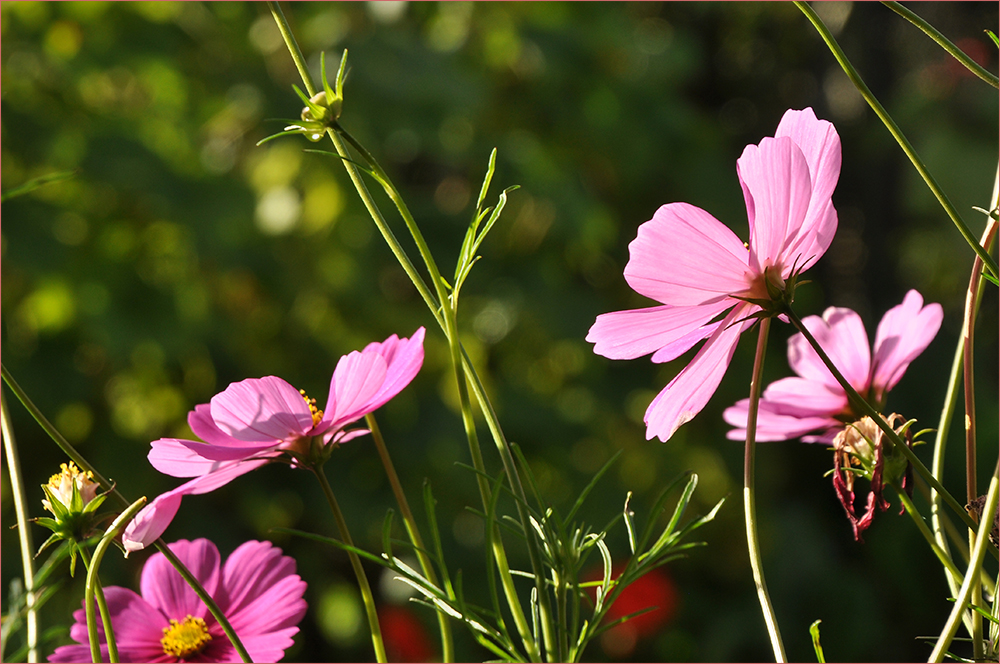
181,258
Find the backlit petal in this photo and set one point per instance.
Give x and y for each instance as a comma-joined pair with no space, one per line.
771,425
685,256
691,389
777,187
187,458
841,334
261,409
904,332
625,335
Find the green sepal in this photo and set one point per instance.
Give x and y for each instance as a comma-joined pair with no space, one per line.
58,509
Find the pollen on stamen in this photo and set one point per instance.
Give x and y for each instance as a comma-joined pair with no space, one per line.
316,413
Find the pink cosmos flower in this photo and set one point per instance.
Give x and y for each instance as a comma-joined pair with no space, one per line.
700,270
257,589
258,420
814,401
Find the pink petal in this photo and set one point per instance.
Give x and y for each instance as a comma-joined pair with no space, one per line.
820,145
403,358
201,423
685,256
771,425
164,588
801,397
261,409
364,381
904,332
691,389
153,519
777,188
269,647
188,458
249,571
841,334
625,335
138,629
356,381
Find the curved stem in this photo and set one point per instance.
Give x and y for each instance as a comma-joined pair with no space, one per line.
943,41
893,128
859,402
749,500
971,579
968,385
93,637
444,625
23,529
359,571
94,585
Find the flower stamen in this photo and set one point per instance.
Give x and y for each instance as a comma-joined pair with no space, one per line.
316,413
183,639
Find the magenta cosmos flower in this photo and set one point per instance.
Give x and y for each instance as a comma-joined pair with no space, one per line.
814,401
257,420
257,589
702,272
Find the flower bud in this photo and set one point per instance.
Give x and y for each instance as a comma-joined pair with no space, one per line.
69,484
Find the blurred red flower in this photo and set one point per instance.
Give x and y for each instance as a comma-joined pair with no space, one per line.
655,589
405,637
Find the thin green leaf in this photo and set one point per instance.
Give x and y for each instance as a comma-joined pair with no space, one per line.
814,633
438,554
484,190
337,543
682,504
993,37
627,515
35,183
590,486
658,507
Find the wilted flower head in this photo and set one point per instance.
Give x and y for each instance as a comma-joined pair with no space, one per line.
257,590
259,420
702,272
860,449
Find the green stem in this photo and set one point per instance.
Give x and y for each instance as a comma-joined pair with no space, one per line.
94,585
78,459
749,499
890,124
941,554
440,308
943,41
444,625
23,529
359,571
971,574
863,406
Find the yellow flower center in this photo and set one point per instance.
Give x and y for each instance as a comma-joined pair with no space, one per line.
183,639
316,413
